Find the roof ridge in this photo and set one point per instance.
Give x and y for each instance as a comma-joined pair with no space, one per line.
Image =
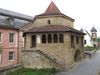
14,14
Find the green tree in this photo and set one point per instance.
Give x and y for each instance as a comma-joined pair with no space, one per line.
98,39
89,48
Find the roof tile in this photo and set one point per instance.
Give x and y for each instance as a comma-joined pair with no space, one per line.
52,28
52,9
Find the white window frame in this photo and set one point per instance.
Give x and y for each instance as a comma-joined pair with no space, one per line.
1,37
13,37
9,56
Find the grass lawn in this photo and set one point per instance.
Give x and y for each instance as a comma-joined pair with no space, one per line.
24,71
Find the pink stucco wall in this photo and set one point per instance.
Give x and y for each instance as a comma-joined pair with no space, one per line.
7,47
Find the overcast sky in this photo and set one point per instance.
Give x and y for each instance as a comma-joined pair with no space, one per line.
85,12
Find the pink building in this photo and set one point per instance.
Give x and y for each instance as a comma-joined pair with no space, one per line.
9,46
10,23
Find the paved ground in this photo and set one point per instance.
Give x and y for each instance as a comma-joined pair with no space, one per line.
87,67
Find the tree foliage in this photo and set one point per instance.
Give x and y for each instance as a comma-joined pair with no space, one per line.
89,48
98,39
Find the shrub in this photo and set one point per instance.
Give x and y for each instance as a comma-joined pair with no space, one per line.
89,48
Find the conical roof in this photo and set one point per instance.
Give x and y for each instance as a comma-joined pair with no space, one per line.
81,29
52,9
93,29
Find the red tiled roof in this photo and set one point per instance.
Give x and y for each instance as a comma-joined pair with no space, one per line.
52,9
53,28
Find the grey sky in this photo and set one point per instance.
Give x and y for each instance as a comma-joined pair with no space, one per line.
85,12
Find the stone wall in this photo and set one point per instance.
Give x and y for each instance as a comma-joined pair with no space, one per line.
77,47
31,59
61,51
54,20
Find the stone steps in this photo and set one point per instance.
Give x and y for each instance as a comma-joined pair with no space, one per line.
58,63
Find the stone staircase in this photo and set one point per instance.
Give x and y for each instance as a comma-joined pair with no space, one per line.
59,65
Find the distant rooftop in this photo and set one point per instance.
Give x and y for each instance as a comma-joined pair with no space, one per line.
93,29
10,19
13,14
81,30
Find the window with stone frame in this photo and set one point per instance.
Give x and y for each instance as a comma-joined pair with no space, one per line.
49,38
43,38
61,38
11,37
55,38
11,56
72,41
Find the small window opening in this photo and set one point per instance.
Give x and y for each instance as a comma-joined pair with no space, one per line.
49,22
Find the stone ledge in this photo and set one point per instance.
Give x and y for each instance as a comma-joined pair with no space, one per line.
9,67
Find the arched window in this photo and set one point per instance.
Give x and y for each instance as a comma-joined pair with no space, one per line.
43,38
61,38
49,38
55,38
33,43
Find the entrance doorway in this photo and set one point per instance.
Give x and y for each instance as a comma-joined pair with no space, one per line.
33,39
77,56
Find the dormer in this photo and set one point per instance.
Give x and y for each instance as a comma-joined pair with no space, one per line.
10,20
